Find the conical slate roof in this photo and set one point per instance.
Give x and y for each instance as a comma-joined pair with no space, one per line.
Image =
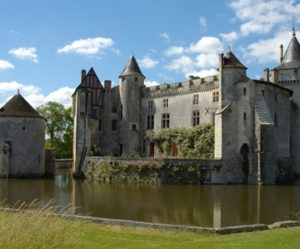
17,106
231,61
131,68
291,58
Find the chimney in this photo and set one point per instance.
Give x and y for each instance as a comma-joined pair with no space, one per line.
107,84
274,76
281,53
266,74
83,74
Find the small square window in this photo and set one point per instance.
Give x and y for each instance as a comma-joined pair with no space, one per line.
165,102
196,99
133,127
215,96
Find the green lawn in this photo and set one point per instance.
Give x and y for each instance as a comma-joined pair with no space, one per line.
40,231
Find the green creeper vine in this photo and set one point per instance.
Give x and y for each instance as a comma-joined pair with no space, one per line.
196,142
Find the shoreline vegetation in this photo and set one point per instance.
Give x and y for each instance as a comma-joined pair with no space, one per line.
43,229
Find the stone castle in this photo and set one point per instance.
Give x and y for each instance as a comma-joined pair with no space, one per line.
257,122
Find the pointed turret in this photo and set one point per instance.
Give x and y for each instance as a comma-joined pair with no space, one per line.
132,68
231,61
291,58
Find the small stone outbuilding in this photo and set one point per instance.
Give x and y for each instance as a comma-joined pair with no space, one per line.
22,137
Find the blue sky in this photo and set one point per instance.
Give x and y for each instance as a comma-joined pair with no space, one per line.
45,44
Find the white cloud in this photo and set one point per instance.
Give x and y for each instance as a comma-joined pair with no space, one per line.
202,22
147,62
174,50
166,36
151,83
34,95
89,46
261,16
24,53
267,50
5,65
229,37
207,44
207,60
202,73
182,64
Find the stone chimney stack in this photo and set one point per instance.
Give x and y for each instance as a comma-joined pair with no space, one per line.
83,74
107,84
274,76
281,53
266,74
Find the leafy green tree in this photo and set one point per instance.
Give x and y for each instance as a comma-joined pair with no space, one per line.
59,129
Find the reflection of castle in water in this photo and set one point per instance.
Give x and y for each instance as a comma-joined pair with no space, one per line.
192,205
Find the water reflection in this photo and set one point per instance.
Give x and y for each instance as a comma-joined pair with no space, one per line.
193,205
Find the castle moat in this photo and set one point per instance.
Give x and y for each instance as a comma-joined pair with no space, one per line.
205,205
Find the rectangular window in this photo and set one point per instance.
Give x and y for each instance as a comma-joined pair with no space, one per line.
114,109
165,120
245,91
263,92
245,116
196,99
150,122
121,112
275,119
215,96
275,97
196,118
114,125
99,125
134,127
150,104
165,102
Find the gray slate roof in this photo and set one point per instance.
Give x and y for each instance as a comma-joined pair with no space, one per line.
230,60
17,106
131,68
291,57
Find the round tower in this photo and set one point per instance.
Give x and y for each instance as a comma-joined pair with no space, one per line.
22,138
131,84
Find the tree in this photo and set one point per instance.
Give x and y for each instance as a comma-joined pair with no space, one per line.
59,129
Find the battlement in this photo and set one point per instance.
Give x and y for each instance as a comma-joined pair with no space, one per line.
194,84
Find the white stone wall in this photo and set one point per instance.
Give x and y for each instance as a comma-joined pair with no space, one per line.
25,137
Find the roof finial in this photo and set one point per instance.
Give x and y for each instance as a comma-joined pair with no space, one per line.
229,50
293,28
18,91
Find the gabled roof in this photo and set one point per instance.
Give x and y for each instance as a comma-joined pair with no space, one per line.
90,80
231,61
291,58
131,68
17,106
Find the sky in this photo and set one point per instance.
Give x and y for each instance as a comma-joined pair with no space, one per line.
45,44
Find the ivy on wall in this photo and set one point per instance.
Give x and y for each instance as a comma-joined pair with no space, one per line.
196,142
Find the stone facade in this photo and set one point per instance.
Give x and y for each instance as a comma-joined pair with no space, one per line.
22,137
257,134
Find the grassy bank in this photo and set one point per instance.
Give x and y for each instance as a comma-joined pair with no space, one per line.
41,231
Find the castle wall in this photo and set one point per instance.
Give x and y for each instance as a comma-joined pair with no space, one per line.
23,139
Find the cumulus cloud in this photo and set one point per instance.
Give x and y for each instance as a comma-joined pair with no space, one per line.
89,46
151,83
260,16
207,60
202,22
174,50
147,62
207,44
202,73
33,94
229,37
5,65
182,64
25,53
267,50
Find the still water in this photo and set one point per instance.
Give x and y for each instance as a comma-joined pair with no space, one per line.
219,205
